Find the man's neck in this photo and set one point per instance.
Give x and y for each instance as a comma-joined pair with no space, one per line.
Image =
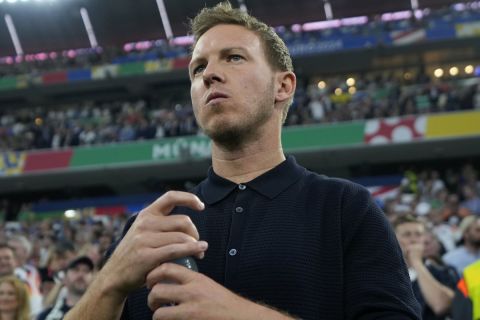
247,163
72,299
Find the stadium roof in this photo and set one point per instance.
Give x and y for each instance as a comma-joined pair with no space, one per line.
53,25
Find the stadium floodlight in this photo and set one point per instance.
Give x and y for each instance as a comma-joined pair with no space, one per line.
350,82
414,4
242,5
469,69
166,23
327,7
88,28
438,73
70,214
453,71
322,85
13,35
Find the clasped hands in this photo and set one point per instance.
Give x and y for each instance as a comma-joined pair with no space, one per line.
142,258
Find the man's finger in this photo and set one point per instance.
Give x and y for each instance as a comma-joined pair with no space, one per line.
171,313
170,272
179,223
164,294
165,204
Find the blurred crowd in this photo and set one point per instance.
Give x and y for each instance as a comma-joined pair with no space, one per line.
369,96
93,123
55,259
380,95
293,35
436,216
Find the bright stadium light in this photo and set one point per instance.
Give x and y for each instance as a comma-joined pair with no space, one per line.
350,82
414,4
338,91
352,90
469,69
165,21
70,214
453,71
438,73
88,28
327,7
242,5
322,85
13,35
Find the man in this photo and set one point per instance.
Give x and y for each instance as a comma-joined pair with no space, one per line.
433,284
7,260
469,252
282,242
78,276
26,272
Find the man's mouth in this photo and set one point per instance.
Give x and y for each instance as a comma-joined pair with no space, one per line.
215,97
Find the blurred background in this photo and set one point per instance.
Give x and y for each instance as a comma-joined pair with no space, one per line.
96,120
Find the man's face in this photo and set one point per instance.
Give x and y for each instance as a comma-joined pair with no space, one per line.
472,235
410,233
7,262
432,246
20,251
232,84
78,279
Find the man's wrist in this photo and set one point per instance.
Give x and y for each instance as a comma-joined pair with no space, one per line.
262,311
417,264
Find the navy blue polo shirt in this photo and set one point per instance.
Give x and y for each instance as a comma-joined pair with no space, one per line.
313,246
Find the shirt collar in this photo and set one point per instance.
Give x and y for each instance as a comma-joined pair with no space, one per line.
269,184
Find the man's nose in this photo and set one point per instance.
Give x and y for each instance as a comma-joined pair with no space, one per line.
212,73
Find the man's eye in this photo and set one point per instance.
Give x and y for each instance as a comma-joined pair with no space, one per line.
235,57
198,69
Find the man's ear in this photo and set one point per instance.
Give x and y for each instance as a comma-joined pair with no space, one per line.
286,82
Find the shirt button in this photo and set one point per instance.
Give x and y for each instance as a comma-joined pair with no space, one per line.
232,252
238,209
242,186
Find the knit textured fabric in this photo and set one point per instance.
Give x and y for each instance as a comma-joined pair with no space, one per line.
312,246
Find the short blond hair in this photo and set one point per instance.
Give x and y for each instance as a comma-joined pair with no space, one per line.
276,51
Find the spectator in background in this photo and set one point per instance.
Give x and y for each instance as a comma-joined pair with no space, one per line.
8,261
433,248
58,258
78,276
14,299
469,252
26,272
432,284
472,200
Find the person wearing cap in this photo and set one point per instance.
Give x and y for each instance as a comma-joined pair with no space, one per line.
469,252
78,276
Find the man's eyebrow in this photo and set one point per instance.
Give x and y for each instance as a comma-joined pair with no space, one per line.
230,49
223,52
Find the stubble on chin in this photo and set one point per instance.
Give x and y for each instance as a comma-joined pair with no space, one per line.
233,135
